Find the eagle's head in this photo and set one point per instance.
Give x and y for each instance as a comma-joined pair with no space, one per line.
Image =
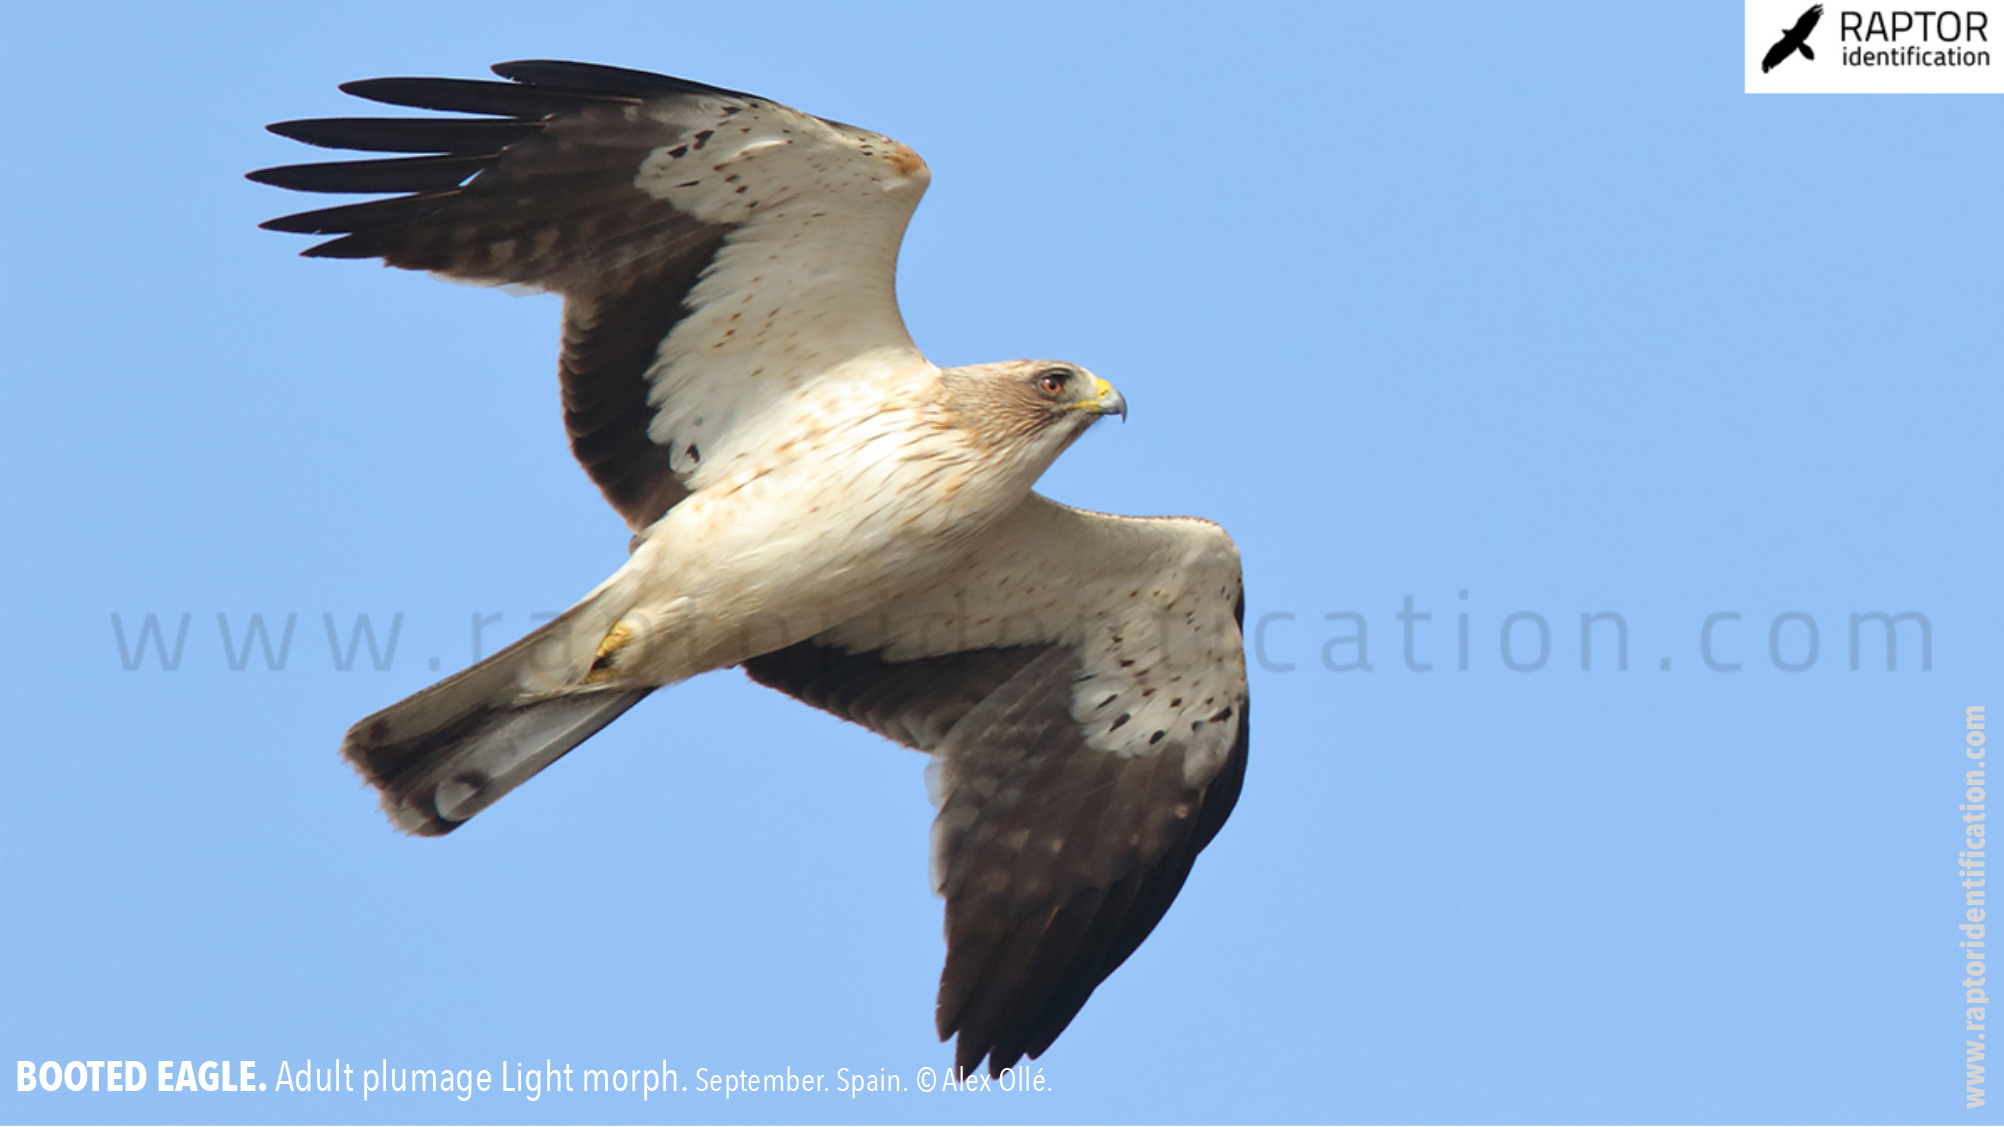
1031,409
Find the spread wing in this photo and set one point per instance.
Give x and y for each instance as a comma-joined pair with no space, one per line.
717,252
1080,685
1807,23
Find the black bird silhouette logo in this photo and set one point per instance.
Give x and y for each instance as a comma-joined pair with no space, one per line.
1793,39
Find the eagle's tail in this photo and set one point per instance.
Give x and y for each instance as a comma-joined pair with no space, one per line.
448,752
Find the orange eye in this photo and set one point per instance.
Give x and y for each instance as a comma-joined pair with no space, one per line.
1052,382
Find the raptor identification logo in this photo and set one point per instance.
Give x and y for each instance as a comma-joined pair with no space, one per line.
1794,47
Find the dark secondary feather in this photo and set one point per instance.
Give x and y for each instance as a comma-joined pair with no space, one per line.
1031,931
537,192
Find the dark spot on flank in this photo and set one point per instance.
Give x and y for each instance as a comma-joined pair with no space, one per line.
679,151
1224,713
1176,702
1118,721
703,138
1156,738
1110,698
695,455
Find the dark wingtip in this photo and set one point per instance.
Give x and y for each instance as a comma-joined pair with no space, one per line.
467,95
344,247
563,72
395,175
597,78
443,135
303,130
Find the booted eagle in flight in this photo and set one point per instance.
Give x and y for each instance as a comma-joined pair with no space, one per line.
814,501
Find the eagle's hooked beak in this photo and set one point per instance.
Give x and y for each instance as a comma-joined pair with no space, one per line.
1110,401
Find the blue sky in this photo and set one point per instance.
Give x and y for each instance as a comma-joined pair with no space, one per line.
1529,302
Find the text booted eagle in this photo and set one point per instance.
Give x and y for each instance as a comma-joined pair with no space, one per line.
814,501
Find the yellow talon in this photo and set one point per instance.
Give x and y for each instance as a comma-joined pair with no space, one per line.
601,662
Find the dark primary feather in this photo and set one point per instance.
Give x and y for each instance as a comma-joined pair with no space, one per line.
350,218
538,191
407,134
597,78
1031,932
472,95
396,174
